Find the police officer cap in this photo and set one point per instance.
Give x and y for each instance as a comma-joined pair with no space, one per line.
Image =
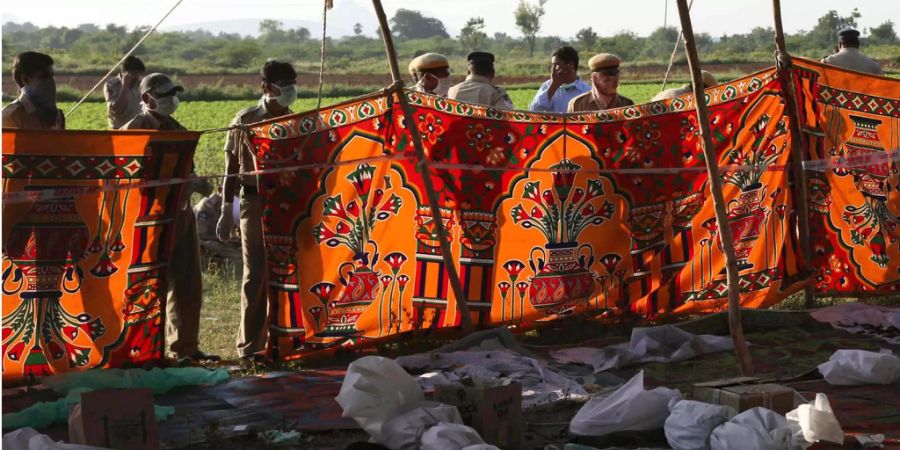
480,56
430,61
604,61
848,32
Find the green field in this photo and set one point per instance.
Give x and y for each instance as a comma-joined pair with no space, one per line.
221,311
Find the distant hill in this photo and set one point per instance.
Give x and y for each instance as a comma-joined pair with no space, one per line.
341,19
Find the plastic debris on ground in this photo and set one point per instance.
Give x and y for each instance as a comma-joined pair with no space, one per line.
870,440
858,367
29,439
666,343
388,404
493,355
874,320
758,429
817,421
628,408
279,437
72,385
690,423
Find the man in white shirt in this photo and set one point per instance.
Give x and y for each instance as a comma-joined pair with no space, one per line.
564,85
123,98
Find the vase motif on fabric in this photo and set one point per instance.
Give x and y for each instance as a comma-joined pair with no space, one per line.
747,214
562,277
873,224
351,225
45,249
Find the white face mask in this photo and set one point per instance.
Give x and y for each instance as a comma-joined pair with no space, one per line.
443,87
165,105
287,97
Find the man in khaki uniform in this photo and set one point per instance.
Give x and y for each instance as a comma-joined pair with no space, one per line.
122,93
159,101
604,85
431,72
35,109
709,80
477,87
279,92
849,56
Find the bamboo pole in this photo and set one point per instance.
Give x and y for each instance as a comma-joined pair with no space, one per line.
715,186
461,304
799,191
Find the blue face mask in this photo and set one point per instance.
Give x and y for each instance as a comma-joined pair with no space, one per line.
42,94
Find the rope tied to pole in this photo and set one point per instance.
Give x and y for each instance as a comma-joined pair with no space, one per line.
130,52
674,52
326,5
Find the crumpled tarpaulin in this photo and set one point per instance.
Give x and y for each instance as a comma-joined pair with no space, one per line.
666,343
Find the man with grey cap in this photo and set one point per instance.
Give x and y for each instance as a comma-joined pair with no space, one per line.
709,80
431,73
604,86
849,56
159,99
477,87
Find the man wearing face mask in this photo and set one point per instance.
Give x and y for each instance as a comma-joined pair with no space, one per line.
431,72
564,85
279,92
122,93
159,96
36,106
605,82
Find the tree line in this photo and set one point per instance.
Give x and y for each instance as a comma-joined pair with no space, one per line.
91,48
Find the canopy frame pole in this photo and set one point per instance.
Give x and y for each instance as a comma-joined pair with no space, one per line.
786,72
715,186
423,167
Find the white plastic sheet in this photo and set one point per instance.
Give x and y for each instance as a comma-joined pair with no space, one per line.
857,367
666,343
452,436
29,439
690,423
628,408
817,421
862,318
540,384
374,389
405,430
758,429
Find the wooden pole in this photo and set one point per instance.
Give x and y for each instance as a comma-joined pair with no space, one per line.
715,186
799,191
461,304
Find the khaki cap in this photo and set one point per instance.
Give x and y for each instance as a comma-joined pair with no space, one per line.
157,83
604,61
709,79
429,61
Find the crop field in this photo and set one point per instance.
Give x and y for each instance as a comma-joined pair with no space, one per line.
221,310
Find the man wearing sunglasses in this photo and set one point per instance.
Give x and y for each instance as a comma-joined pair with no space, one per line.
605,82
159,100
279,91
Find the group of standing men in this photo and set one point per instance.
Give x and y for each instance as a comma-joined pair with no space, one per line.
138,101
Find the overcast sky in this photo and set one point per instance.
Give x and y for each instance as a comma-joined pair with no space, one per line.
564,17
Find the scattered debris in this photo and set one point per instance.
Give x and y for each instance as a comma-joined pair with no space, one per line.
666,343
874,320
279,437
855,367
